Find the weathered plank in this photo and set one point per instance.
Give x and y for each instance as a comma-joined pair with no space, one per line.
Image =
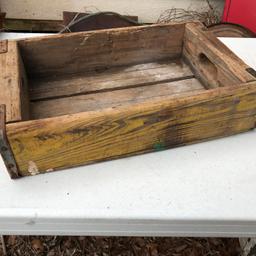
13,84
77,52
32,25
214,64
111,79
113,99
55,143
2,17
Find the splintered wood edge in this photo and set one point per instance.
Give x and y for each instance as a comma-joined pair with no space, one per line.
5,149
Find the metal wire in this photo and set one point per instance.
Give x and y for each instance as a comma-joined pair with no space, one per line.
76,21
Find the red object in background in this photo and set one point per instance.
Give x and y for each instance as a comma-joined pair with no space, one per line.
242,12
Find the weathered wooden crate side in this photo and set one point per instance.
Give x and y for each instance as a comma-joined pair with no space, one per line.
13,82
213,62
74,53
55,143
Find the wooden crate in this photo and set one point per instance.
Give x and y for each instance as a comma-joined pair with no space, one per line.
80,98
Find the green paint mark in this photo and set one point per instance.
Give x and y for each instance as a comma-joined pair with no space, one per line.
159,146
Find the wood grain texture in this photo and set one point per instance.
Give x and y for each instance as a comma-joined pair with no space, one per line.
113,99
110,79
11,76
31,25
213,63
55,143
24,91
85,51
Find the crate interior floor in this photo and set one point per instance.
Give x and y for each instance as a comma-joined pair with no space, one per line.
110,88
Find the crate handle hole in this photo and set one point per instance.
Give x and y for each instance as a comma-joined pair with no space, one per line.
208,67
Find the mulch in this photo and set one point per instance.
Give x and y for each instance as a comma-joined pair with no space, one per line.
123,246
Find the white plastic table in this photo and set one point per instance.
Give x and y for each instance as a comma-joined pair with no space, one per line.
206,189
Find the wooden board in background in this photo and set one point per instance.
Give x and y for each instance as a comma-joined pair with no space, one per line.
32,25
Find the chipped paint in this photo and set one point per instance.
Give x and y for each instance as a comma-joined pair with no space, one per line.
32,168
50,170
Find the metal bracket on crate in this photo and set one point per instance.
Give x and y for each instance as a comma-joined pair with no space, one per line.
5,149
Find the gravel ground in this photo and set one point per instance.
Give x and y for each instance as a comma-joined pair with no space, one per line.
129,246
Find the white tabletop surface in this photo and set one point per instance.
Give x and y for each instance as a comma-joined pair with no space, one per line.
206,189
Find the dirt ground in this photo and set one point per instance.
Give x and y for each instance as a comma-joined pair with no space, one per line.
129,246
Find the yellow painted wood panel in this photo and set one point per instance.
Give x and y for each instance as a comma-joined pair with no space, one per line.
55,143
